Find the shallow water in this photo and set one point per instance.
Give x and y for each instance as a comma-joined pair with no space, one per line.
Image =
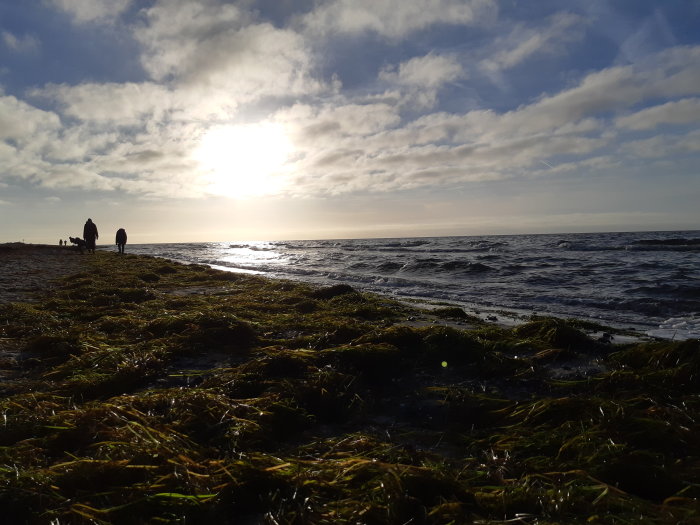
649,281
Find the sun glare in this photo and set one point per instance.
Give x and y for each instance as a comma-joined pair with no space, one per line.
244,160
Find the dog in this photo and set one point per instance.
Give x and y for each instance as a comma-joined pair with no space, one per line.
78,242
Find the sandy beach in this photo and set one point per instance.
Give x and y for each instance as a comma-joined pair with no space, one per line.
26,269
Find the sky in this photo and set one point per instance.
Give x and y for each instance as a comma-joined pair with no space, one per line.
212,120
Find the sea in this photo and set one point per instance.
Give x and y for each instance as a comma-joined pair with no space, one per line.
645,282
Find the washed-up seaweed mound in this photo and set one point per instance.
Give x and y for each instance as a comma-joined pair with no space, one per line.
152,392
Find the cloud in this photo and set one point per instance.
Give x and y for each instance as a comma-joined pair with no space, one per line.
431,71
26,44
672,73
328,123
218,48
524,41
148,159
78,144
128,103
174,32
76,176
22,123
422,77
83,11
571,128
661,146
648,34
395,20
686,111
217,64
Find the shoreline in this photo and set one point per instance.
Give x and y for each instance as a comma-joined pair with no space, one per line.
593,279
150,388
28,270
504,317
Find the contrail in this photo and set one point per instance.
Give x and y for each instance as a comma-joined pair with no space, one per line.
547,164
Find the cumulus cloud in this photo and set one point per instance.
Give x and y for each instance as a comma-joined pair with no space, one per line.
149,159
84,11
126,103
175,31
395,20
22,123
219,48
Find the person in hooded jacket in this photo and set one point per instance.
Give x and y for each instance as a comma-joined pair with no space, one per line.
90,235
121,239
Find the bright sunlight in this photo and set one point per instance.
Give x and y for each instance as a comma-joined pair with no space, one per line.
244,160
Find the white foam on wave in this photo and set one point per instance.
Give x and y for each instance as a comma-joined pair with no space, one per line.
678,328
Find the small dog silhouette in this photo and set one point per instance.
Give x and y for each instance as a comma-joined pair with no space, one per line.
79,242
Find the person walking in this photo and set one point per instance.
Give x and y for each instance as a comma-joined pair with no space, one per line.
121,239
90,235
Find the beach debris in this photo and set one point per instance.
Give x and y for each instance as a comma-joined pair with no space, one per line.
151,406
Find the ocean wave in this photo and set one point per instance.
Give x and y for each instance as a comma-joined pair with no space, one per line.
539,279
421,265
417,249
466,266
383,280
405,244
487,245
252,247
676,241
664,248
389,266
684,327
515,268
673,290
652,265
360,266
624,279
584,247
302,245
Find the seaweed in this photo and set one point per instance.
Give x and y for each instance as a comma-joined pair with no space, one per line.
157,392
555,332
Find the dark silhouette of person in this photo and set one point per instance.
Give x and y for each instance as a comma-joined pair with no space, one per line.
90,235
121,239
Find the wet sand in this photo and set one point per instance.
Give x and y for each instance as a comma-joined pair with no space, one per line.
27,269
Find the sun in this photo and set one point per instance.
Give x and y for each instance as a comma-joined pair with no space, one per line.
243,161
